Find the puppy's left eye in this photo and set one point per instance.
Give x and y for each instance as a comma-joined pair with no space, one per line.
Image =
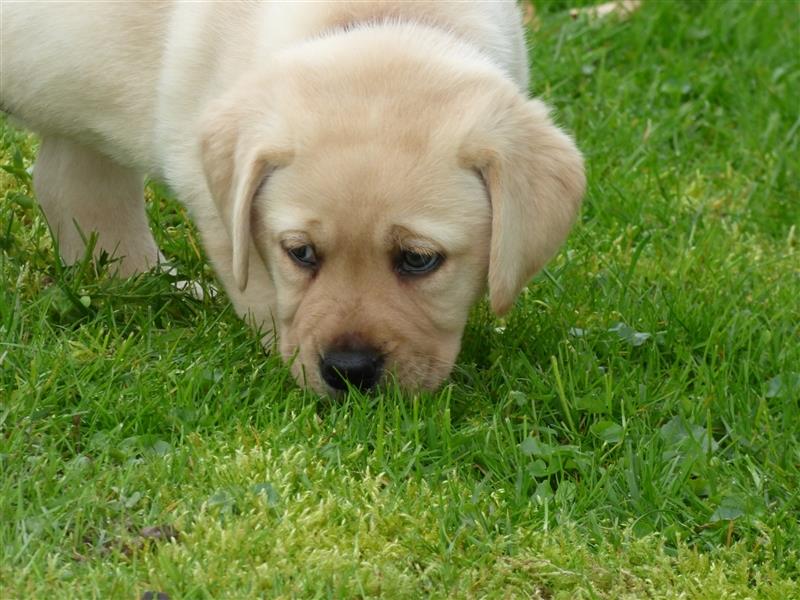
304,256
417,263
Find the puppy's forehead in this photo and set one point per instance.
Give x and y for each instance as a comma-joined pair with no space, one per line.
382,203
367,224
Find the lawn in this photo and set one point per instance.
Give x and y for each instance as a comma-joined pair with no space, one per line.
630,430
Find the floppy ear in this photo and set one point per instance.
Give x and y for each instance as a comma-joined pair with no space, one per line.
534,176
239,151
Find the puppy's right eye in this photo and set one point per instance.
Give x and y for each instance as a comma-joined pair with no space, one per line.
418,263
303,256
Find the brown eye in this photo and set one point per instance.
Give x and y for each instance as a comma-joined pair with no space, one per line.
303,256
417,263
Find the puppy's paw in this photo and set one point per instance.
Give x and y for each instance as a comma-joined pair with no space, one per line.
193,288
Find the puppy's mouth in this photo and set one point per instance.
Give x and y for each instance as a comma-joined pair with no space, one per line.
355,362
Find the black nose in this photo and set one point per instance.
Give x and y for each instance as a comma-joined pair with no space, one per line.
360,368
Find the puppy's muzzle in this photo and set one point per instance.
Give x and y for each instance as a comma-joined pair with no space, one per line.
361,368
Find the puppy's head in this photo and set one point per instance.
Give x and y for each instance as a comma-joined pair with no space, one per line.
380,193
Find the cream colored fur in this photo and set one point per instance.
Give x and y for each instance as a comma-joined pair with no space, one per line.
361,128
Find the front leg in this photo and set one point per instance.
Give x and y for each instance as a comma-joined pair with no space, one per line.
82,191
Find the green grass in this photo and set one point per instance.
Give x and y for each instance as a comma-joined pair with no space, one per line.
630,430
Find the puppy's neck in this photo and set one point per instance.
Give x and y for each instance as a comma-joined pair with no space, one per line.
468,30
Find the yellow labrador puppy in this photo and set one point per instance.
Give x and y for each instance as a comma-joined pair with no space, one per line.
359,171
